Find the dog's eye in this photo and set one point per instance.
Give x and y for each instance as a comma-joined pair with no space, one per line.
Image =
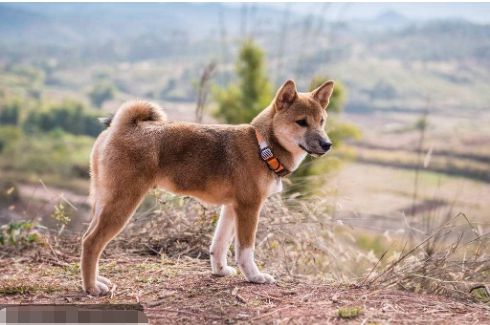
302,122
321,122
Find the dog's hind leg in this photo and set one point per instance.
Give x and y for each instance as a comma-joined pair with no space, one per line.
221,242
93,220
91,226
111,215
246,226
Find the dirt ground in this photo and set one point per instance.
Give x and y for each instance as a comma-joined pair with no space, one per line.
182,291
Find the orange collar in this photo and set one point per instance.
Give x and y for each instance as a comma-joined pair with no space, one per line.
266,155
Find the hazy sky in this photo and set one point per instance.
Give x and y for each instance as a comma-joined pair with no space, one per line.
475,12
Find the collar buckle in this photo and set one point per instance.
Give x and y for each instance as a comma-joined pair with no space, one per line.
266,155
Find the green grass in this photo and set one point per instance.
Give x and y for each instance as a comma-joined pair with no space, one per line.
481,295
13,289
10,288
349,312
374,243
20,234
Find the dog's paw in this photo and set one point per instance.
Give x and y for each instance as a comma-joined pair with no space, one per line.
100,289
261,278
225,271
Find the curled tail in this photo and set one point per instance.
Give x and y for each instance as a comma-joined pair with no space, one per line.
132,112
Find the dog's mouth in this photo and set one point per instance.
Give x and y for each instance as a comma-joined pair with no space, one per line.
312,153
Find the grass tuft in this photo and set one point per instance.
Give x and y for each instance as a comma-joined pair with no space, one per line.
9,288
349,312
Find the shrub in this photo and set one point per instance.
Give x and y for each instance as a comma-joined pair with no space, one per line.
20,235
68,116
10,113
9,136
101,93
241,102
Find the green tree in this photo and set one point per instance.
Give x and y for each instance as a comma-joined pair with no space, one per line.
69,116
101,93
243,100
10,113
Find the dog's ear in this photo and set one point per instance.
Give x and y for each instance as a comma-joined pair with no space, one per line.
286,95
322,94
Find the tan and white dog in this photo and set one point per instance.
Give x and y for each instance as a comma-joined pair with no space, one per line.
236,166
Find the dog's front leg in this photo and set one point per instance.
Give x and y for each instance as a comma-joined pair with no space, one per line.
246,226
221,242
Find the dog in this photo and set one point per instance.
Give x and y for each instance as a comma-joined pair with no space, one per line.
235,166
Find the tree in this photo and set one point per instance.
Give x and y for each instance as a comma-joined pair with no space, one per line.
9,113
242,101
69,116
101,93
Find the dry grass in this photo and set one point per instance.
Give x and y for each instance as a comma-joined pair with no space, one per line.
299,240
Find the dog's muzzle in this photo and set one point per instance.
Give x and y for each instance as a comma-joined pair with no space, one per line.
317,153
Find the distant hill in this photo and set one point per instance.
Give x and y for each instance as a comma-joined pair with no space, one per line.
155,28
88,27
390,61
15,20
391,20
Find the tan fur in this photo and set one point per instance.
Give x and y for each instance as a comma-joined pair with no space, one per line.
218,164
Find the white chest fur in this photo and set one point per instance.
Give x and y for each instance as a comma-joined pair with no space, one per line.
298,158
275,186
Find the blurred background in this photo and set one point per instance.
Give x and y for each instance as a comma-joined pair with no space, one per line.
409,117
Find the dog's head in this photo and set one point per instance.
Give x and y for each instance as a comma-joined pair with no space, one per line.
299,118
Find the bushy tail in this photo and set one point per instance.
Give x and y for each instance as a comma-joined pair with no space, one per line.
130,113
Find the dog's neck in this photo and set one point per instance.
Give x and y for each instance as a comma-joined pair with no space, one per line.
263,123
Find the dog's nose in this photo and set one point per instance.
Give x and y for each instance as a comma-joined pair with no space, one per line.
325,145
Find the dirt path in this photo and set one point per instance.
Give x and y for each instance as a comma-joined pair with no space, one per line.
183,292
51,194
